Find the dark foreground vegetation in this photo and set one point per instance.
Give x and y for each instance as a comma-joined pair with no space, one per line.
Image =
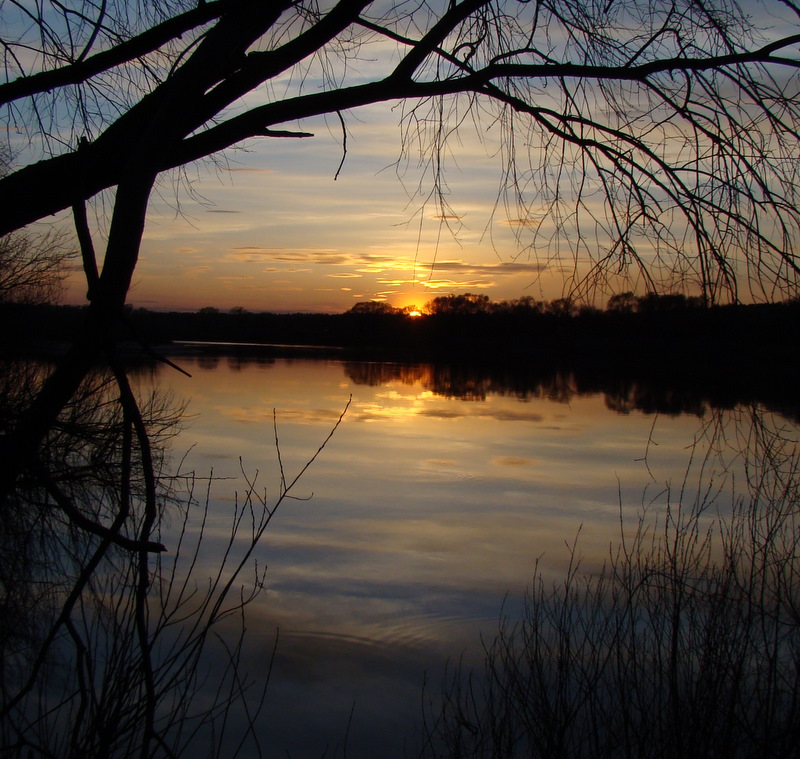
113,641
652,141
685,643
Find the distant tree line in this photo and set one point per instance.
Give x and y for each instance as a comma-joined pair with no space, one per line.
635,329
472,303
665,338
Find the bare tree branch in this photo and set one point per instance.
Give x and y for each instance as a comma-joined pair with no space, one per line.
683,116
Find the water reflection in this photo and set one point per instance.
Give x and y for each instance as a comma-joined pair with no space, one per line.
622,394
443,488
685,642
104,635
427,510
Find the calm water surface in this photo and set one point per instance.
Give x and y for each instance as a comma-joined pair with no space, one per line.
422,517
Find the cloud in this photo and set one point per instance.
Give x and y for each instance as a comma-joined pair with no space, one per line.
435,413
250,170
419,272
252,254
528,222
450,284
520,268
374,264
220,210
509,415
266,414
514,461
496,268
503,415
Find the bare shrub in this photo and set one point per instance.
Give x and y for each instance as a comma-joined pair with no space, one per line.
686,643
110,644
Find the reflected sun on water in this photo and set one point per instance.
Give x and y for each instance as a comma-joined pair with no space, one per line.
424,515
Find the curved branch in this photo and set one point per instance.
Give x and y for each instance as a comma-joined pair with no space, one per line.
103,161
83,522
431,40
124,52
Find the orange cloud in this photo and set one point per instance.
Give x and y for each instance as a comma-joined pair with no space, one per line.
450,284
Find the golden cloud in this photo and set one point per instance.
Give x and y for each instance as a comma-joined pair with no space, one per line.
397,282
251,254
527,222
450,284
514,461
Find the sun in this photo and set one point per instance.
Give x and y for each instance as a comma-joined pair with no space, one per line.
411,310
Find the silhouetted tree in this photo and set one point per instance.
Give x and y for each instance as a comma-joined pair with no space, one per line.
656,140
622,302
526,303
459,305
562,307
660,302
104,639
32,268
373,307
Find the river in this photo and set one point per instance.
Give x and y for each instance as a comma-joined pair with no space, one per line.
424,516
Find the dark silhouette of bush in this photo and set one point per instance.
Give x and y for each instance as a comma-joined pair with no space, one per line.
466,304
373,307
686,643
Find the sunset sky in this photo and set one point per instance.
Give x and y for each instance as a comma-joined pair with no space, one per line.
275,231
278,225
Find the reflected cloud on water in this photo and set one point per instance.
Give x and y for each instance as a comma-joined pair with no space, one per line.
427,512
